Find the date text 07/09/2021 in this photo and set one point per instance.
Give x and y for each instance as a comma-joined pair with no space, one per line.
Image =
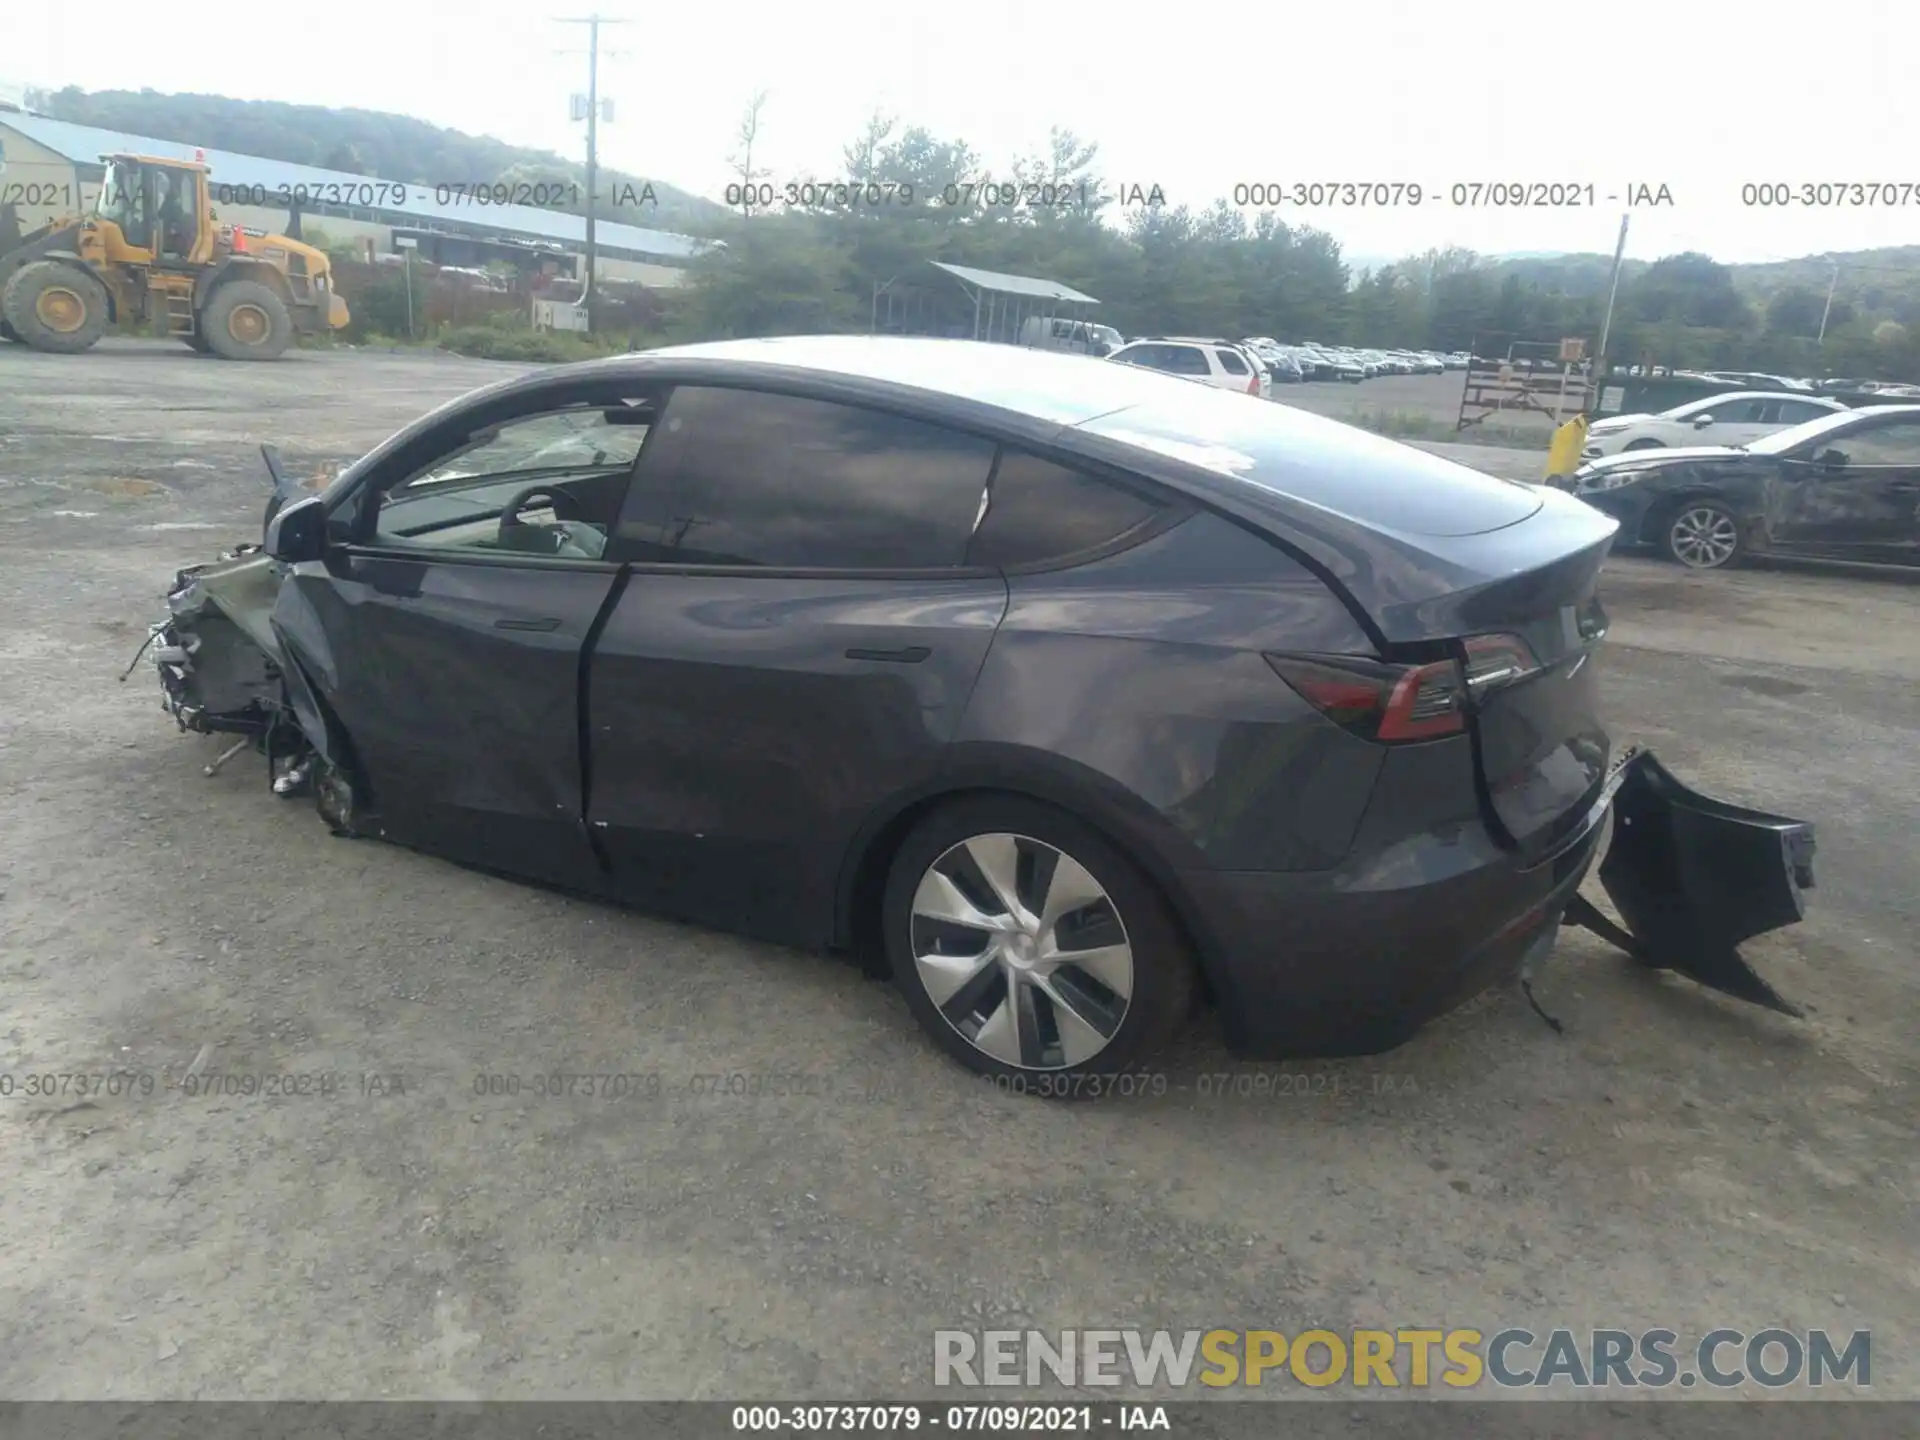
972,1419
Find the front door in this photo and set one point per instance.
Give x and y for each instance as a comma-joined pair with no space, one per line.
795,644
448,642
1856,496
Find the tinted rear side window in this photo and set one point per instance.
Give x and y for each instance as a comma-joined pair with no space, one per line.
775,480
1187,360
1040,511
1231,362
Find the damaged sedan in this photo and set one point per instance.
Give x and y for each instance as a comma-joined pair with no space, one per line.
1069,693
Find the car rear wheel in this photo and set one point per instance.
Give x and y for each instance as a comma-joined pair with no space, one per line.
1030,948
1704,535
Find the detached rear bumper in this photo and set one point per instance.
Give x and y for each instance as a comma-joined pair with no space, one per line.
1354,961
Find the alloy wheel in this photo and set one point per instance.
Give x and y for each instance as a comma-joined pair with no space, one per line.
1703,537
1022,951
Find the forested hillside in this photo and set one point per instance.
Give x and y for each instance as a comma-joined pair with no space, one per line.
817,259
362,142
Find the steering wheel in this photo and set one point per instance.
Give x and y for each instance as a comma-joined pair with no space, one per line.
563,505
518,534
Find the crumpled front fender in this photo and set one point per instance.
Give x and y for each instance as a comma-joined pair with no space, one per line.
1693,877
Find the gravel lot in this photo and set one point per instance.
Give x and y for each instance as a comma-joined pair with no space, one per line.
1673,1159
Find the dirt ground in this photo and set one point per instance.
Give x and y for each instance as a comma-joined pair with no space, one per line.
1674,1159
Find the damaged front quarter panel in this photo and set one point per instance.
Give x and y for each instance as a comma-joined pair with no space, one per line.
223,669
219,662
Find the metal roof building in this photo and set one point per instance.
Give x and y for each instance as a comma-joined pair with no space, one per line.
410,206
989,305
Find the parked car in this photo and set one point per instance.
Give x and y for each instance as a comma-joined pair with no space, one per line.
1280,363
1220,363
1066,689
1079,337
1731,419
1759,380
1336,364
1845,486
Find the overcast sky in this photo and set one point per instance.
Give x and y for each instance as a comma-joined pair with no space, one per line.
1697,95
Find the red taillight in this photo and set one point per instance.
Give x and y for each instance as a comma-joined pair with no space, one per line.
1389,703
1253,385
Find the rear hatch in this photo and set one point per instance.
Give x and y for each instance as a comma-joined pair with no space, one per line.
1534,703
1437,561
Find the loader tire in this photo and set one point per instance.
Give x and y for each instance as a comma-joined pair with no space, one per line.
197,343
245,320
55,307
7,332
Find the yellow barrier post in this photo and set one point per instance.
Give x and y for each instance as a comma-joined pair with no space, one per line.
1563,455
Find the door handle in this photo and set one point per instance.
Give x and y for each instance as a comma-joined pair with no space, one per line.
542,625
909,655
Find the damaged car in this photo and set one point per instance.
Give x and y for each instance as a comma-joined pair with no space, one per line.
1070,694
1844,487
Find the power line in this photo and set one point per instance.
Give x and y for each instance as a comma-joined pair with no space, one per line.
593,23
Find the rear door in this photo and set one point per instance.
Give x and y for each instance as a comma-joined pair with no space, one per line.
793,649
1855,496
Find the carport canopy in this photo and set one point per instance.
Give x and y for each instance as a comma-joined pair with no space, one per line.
1003,303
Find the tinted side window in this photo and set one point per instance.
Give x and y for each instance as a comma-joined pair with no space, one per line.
762,479
1186,360
1040,511
1895,444
1734,412
1798,412
1231,362
1150,357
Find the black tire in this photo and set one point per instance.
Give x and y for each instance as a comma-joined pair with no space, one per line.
245,320
1702,535
1163,975
55,307
1648,445
7,332
197,343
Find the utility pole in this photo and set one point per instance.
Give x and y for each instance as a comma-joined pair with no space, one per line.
1832,285
1613,290
593,23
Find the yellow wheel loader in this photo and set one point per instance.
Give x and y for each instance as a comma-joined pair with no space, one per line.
152,250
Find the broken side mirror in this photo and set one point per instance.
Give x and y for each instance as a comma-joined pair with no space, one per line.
298,531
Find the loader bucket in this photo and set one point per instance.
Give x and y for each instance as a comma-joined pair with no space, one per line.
1693,877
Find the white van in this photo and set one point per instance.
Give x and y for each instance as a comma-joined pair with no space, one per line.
1080,337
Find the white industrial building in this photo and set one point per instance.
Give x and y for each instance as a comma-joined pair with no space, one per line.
52,167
